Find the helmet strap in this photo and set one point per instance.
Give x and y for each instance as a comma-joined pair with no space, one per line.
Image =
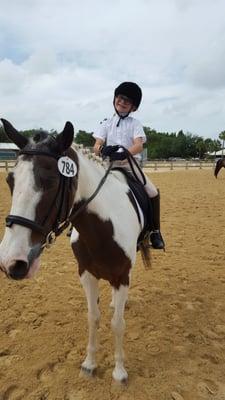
120,115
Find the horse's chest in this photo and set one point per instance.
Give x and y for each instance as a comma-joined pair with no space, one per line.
98,252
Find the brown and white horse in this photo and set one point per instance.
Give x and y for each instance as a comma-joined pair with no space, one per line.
45,198
219,164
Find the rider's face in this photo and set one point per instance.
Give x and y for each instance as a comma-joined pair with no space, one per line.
123,104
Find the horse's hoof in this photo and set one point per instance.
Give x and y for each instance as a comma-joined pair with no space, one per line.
124,381
87,372
120,376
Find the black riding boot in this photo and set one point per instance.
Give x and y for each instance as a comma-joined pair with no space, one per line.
155,236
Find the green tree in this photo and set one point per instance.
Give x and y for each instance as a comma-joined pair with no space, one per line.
31,132
84,138
212,145
201,147
222,137
166,145
216,145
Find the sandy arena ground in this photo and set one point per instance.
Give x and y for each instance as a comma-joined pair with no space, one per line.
175,335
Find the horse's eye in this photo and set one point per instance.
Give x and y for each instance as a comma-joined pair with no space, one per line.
10,181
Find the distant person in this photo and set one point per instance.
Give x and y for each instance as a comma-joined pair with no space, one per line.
123,129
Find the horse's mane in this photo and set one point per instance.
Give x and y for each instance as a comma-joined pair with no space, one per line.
41,140
42,137
86,151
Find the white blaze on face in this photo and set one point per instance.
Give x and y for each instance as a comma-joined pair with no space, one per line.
16,242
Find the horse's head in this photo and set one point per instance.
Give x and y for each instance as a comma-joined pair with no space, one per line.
43,184
220,163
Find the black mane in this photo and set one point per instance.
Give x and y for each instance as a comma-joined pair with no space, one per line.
40,136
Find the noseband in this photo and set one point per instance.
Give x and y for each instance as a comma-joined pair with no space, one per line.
59,225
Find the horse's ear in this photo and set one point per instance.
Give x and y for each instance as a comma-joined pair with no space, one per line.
14,135
65,138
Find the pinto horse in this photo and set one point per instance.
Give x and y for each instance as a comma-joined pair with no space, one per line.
52,184
220,163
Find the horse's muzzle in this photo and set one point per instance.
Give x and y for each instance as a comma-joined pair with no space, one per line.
18,270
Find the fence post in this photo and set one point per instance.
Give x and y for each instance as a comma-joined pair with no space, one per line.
6,166
171,165
186,165
200,165
155,168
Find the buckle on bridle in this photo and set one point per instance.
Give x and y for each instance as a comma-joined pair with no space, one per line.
50,240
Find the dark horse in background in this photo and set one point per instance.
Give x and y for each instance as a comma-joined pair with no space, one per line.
220,163
52,184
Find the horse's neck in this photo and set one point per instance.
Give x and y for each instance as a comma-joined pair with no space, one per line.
90,174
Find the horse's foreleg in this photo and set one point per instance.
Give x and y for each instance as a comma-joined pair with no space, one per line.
112,303
90,285
118,326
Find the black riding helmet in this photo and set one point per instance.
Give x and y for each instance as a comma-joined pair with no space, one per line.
130,90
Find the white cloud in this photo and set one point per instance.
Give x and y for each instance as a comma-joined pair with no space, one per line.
62,60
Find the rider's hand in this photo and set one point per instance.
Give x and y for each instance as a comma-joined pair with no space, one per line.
118,156
106,151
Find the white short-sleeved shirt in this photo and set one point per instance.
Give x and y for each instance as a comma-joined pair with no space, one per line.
129,129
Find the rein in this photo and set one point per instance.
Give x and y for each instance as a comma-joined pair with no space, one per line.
51,239
132,161
58,226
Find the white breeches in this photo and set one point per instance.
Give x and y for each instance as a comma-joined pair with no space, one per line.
149,187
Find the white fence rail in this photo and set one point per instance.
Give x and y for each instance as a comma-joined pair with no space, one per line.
7,165
173,165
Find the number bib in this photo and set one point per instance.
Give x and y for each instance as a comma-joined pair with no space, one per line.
67,167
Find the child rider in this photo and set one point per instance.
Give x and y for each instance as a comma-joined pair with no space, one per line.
123,129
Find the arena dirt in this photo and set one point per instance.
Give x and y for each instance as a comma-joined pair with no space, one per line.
175,318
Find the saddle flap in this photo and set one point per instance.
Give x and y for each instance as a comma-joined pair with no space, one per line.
138,195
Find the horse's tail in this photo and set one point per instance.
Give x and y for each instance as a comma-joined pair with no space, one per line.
220,163
145,253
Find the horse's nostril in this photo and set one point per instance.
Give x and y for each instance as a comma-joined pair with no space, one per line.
18,270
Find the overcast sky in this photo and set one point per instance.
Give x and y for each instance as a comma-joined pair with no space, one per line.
61,60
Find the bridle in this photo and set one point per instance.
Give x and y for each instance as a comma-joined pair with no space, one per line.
60,223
